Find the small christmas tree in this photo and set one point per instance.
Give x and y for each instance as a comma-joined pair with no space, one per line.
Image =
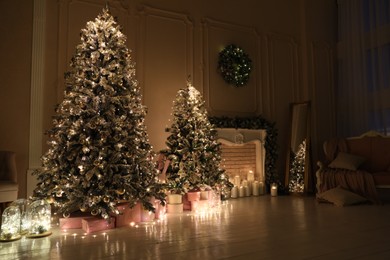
192,146
99,153
297,169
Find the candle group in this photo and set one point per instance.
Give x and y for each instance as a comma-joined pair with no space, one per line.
247,187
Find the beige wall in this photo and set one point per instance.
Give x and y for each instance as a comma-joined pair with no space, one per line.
15,74
291,43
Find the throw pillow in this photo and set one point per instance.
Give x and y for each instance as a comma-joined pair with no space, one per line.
341,197
347,161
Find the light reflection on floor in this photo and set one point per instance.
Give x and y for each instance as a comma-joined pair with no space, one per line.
172,230
244,228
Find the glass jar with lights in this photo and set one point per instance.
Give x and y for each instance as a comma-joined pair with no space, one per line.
39,217
10,224
22,204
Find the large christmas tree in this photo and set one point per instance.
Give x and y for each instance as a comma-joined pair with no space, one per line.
192,147
99,153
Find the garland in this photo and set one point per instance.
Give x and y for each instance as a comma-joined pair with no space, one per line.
234,65
270,144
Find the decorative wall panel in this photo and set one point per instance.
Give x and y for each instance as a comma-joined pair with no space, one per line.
282,70
164,62
220,97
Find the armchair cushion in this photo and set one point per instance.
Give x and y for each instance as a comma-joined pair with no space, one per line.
341,197
347,161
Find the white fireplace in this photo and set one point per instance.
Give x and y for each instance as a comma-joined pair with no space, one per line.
243,153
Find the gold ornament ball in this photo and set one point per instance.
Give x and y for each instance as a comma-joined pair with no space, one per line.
94,212
120,191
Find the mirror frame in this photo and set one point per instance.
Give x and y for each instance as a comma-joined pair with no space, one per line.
295,139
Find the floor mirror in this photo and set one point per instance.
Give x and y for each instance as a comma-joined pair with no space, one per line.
298,162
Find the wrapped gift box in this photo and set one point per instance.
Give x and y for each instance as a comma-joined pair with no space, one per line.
128,215
147,216
94,224
161,210
193,195
186,203
204,195
71,222
74,221
175,198
175,208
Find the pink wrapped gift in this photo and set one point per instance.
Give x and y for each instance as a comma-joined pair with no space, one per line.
160,210
93,224
128,215
186,203
74,221
193,195
147,216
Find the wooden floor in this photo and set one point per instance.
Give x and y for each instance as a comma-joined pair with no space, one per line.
284,227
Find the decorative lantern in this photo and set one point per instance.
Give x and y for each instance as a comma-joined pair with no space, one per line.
22,204
39,216
274,190
10,227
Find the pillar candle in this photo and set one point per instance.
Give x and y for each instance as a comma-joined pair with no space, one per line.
250,185
234,192
251,176
274,190
241,191
261,188
247,191
237,180
255,188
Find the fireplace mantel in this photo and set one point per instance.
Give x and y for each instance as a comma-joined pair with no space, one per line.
248,147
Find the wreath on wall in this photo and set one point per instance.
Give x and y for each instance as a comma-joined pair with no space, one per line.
234,65
270,144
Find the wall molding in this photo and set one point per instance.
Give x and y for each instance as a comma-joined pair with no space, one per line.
211,27
145,12
271,40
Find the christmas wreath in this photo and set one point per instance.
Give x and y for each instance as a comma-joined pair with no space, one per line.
234,65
